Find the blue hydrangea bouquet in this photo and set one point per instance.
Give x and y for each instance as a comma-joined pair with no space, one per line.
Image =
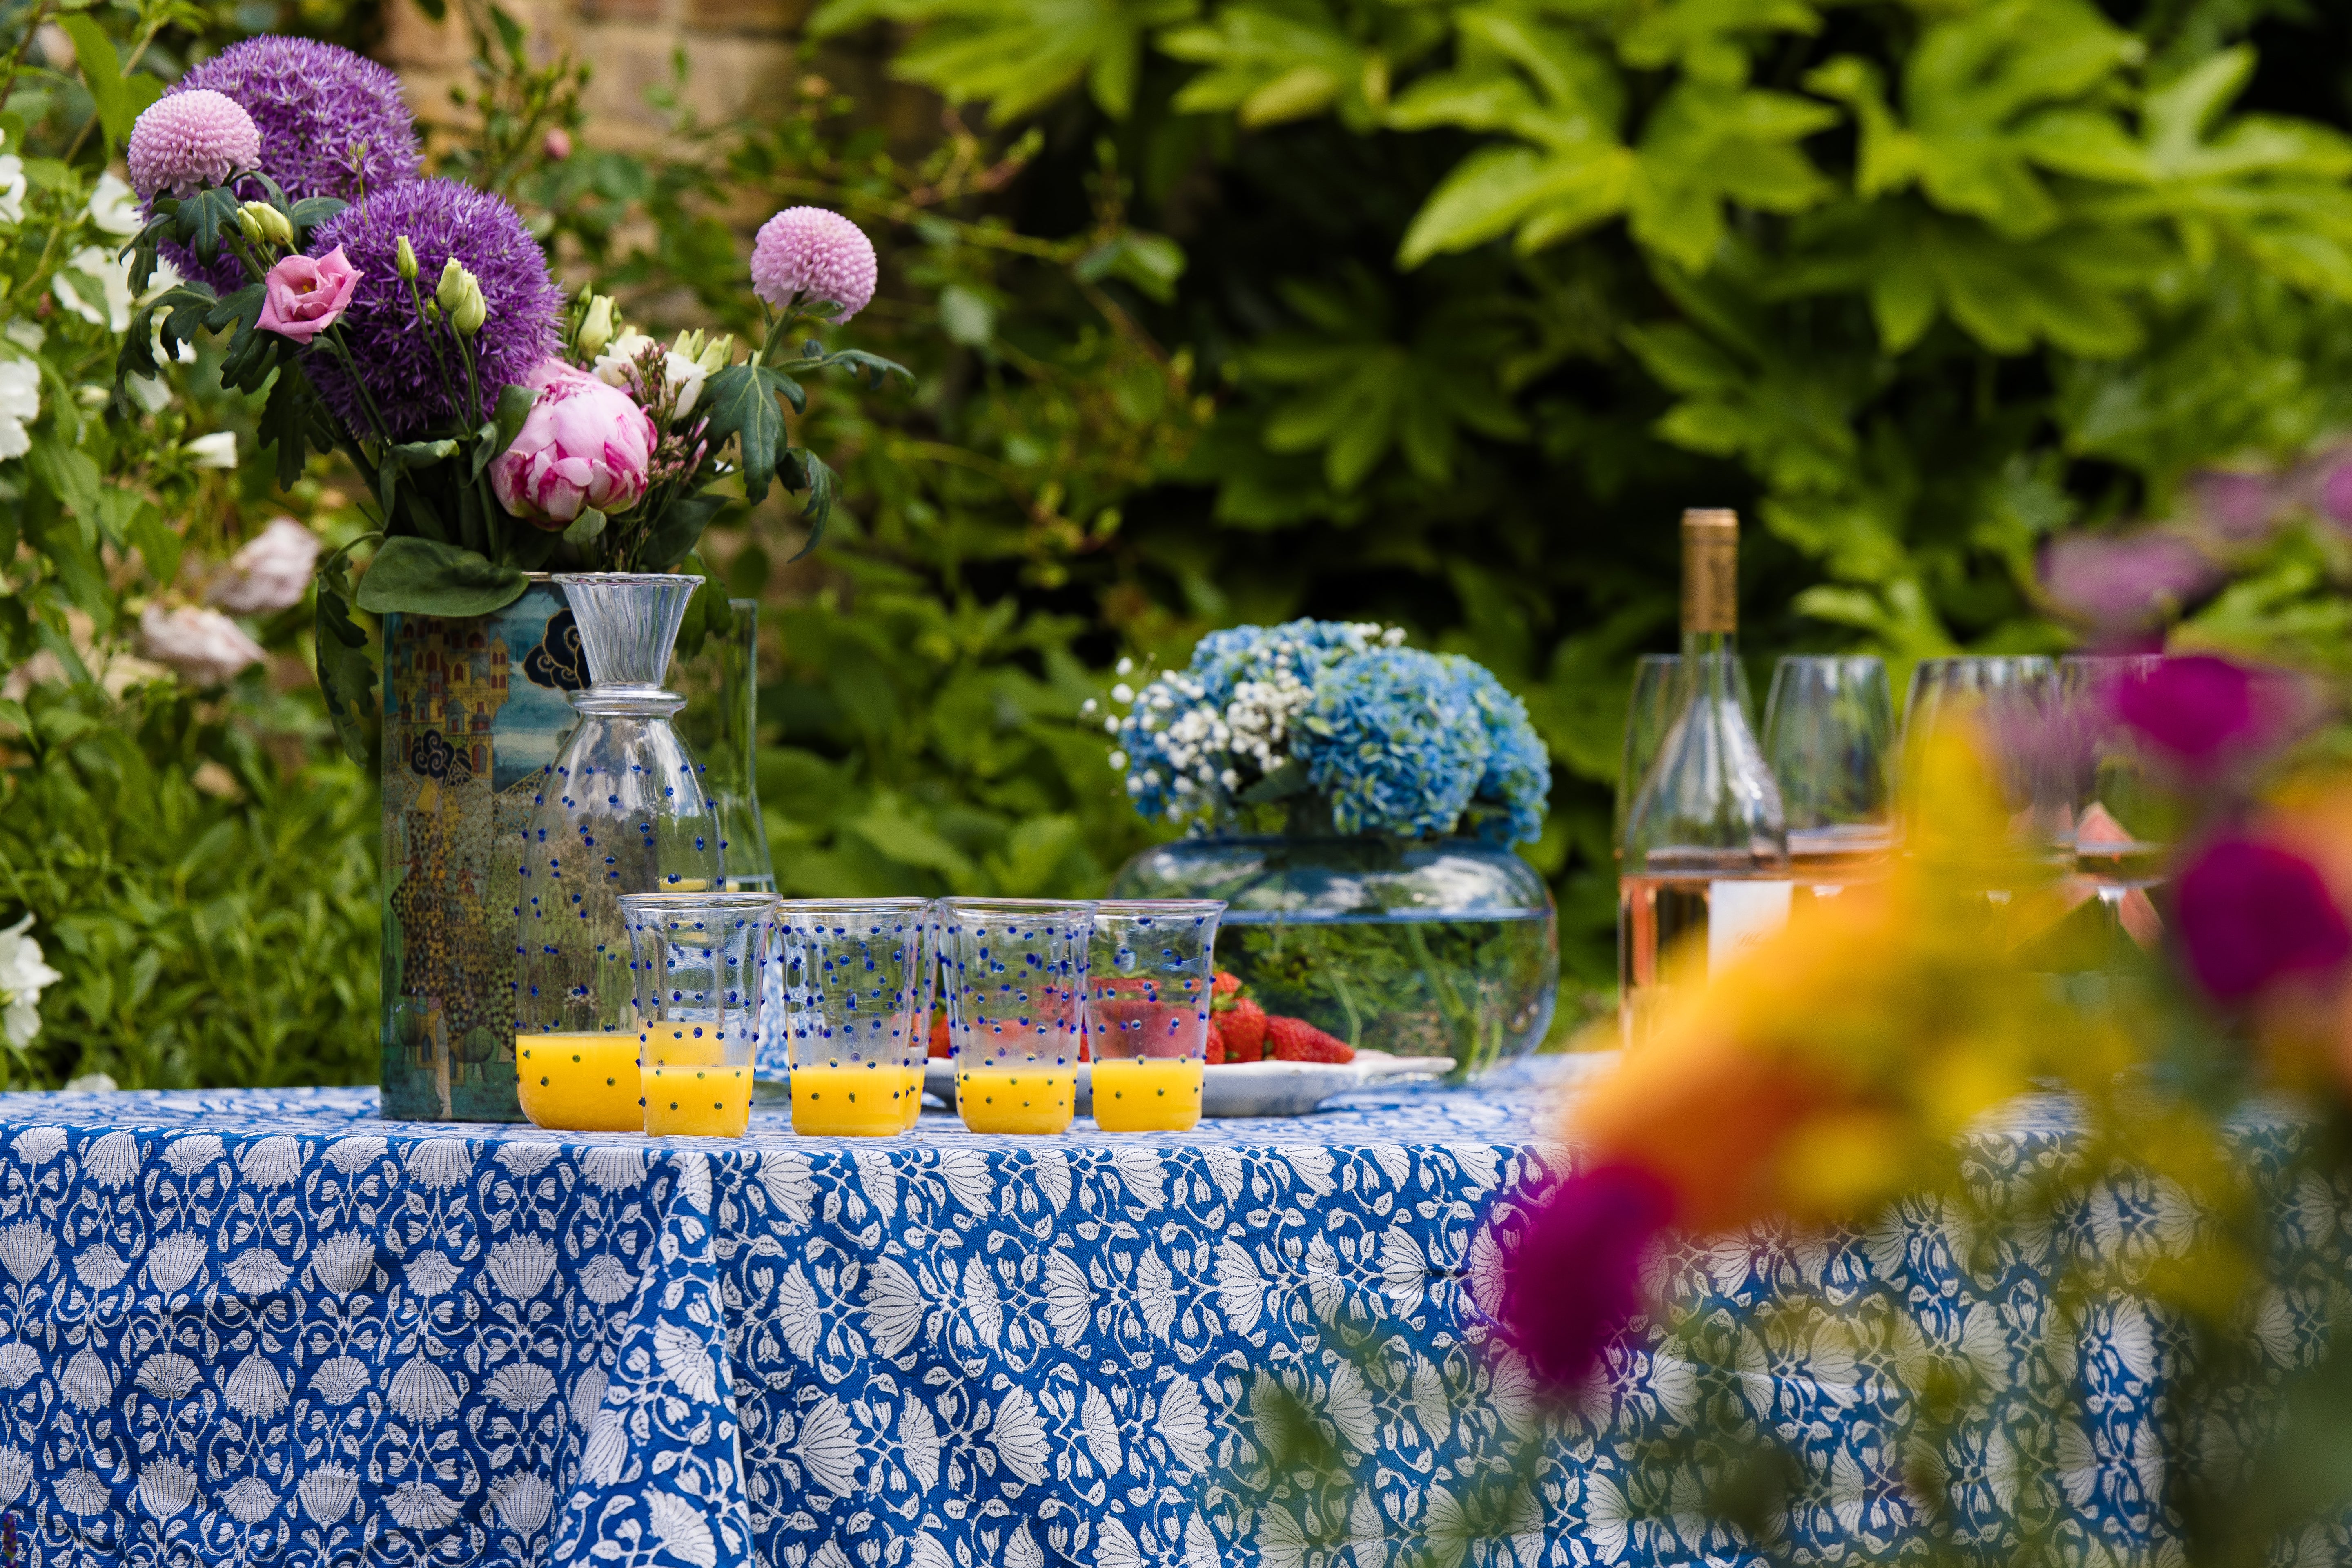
1353,801
1337,727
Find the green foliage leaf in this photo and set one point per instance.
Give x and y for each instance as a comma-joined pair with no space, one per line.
1152,262
804,471
506,422
120,100
426,577
675,532
347,675
741,400
1015,55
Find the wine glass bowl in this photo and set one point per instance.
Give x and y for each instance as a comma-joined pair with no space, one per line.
1829,738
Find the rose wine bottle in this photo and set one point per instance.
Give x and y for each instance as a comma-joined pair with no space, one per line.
1705,861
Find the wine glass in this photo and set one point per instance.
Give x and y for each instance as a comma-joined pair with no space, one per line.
1649,714
1829,733
2014,698
2121,819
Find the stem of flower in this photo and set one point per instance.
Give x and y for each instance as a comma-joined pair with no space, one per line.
334,339
431,342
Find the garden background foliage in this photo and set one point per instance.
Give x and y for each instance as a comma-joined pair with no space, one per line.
1230,311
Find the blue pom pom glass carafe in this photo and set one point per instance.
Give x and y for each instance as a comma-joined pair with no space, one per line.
624,808
1431,947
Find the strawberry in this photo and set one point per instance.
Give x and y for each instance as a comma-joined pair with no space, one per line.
939,1043
1216,1056
1244,1027
1296,1040
1226,984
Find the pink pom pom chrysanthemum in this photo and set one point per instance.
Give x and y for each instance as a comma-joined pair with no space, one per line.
189,140
807,254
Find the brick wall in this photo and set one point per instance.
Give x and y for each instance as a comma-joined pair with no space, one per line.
737,52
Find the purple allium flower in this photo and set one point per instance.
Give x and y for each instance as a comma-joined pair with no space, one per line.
1574,1277
441,218
2250,914
810,254
2123,582
2204,714
188,139
331,124
2329,477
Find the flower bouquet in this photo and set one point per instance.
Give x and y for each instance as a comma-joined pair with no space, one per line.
411,325
1353,801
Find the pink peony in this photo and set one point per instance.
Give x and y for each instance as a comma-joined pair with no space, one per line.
585,445
271,573
2250,913
1573,1278
189,140
204,646
306,295
806,254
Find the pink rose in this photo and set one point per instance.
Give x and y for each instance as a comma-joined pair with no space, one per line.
303,295
585,445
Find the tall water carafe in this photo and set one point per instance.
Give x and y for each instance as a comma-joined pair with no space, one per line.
624,808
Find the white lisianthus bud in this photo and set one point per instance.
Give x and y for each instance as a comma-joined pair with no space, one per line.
715,354
617,366
471,310
596,327
451,287
248,223
261,221
404,260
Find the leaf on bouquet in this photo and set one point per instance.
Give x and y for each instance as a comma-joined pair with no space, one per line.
346,674
427,577
675,532
802,470
402,459
505,423
742,402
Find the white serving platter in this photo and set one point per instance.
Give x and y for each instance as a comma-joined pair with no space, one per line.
1249,1089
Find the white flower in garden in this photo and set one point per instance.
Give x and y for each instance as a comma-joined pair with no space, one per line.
96,287
114,208
23,978
271,573
20,405
12,188
217,450
204,646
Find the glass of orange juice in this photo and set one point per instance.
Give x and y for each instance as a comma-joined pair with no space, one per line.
699,961
1014,971
1150,968
857,1003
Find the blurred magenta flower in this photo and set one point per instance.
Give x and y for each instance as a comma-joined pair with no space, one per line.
1573,1278
2202,714
2121,583
585,445
2250,914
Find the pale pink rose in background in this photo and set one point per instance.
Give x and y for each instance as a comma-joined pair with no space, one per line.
585,445
305,294
271,573
558,143
206,646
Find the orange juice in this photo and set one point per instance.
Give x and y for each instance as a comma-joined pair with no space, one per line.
687,1101
578,1083
914,1106
1156,1094
690,1090
861,1099
1016,1097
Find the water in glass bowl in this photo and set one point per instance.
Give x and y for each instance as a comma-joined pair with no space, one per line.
1444,948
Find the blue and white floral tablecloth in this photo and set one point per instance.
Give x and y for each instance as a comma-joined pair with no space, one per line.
267,1327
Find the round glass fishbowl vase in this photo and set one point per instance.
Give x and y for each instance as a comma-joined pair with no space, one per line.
1443,947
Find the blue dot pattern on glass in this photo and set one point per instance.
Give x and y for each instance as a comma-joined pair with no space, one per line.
1016,983
856,982
632,833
